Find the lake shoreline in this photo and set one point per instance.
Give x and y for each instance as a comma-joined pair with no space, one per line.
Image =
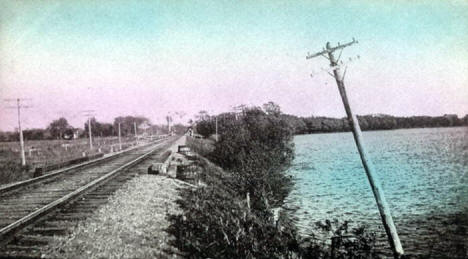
421,173
377,130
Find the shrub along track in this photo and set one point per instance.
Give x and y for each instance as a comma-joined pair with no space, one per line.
31,215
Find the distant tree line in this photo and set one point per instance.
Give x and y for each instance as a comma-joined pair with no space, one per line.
61,129
372,122
307,125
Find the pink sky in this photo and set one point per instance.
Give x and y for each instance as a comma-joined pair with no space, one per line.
152,58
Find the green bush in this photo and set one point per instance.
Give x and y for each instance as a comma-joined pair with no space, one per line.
339,240
231,215
205,128
218,223
257,149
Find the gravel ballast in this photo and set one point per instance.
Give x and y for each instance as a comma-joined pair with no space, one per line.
131,225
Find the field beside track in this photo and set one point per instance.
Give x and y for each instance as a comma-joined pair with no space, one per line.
42,153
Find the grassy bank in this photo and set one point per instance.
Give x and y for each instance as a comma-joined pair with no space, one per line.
239,211
202,147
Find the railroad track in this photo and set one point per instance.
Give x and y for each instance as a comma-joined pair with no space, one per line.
32,214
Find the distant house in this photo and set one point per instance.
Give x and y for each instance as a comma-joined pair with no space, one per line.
77,133
72,133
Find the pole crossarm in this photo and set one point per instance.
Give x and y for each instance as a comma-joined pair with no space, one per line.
16,99
331,49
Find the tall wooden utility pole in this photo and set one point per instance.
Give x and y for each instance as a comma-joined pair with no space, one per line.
18,107
89,114
23,157
216,124
90,134
216,131
135,127
169,123
382,205
120,139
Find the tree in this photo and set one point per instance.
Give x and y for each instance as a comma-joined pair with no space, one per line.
99,128
202,115
205,128
127,124
297,123
272,108
179,128
257,148
34,134
57,127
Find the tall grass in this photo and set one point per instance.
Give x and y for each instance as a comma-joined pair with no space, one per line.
12,172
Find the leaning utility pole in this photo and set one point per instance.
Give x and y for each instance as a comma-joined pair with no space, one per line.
18,107
382,205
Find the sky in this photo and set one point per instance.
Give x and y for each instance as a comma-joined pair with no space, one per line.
150,58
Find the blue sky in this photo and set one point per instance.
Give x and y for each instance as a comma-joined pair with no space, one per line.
151,57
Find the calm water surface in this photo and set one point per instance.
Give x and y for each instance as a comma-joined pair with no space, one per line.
424,174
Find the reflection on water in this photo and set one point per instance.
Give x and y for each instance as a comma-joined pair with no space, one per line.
424,174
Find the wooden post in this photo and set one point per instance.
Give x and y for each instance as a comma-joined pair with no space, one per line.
382,205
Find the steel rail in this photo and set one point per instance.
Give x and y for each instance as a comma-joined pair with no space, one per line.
9,229
16,185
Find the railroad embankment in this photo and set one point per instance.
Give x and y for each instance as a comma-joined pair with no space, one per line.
132,224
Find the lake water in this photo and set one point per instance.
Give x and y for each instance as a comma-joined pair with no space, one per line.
423,172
